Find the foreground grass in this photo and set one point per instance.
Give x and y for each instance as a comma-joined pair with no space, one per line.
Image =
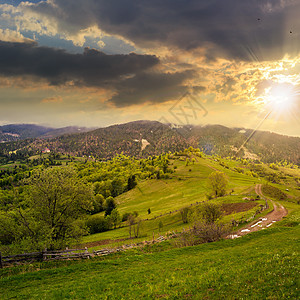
262,265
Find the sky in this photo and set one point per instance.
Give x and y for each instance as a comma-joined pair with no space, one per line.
95,63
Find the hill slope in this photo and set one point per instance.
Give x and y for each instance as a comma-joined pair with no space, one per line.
146,138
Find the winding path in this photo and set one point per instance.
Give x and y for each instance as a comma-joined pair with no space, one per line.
268,220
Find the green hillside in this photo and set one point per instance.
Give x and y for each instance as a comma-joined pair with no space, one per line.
265,262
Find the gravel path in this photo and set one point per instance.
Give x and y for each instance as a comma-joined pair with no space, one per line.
268,220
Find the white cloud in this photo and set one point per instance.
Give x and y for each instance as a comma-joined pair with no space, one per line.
8,35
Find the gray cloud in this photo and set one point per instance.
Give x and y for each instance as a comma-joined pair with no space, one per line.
247,30
151,87
92,68
131,76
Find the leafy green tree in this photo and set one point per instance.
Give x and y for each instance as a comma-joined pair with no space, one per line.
115,218
218,183
210,212
110,205
98,203
116,187
131,182
54,199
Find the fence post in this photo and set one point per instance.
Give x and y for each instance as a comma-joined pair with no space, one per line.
44,252
1,264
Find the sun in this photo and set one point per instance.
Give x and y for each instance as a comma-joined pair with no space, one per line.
280,98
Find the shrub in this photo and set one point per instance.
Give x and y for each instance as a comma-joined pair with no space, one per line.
125,216
98,224
203,233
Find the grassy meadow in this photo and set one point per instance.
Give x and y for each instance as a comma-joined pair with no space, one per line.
260,265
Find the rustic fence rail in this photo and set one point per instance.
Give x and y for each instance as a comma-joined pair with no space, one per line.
44,256
49,255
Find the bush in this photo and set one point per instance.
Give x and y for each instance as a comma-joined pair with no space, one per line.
98,224
207,213
203,233
125,216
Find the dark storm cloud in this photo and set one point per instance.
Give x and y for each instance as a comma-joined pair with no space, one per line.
131,76
92,68
250,29
151,87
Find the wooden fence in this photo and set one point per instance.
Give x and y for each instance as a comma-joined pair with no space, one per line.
44,256
72,253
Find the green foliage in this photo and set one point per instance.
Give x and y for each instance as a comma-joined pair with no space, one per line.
207,213
110,205
218,183
135,225
131,182
46,213
210,212
115,218
98,204
54,199
184,214
203,233
125,216
98,224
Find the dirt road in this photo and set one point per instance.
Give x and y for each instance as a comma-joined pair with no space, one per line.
268,220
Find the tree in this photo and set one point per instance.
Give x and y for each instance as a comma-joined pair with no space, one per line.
134,223
98,203
184,214
218,183
115,218
210,212
116,187
130,222
131,182
110,205
160,225
54,199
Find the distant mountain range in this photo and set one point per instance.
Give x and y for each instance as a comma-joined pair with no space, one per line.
145,138
15,132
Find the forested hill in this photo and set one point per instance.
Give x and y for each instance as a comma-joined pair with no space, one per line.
144,138
17,132
140,138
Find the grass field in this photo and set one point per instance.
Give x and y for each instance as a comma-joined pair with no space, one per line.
262,265
165,197
184,188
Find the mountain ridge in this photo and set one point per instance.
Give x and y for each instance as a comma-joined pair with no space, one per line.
144,138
